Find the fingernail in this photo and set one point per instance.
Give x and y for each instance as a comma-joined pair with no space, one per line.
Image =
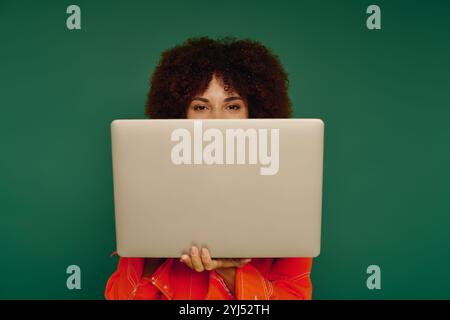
204,252
194,251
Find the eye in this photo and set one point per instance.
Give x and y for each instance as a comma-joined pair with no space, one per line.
200,108
233,107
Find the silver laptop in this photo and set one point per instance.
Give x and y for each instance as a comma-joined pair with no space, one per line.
242,188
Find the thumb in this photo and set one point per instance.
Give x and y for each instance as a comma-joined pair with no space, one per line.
243,262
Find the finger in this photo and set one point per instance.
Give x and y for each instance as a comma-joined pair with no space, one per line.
208,263
196,261
243,262
228,263
187,261
225,263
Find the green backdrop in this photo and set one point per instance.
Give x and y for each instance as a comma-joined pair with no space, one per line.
384,96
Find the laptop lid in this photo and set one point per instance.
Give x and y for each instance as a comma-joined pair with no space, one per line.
242,188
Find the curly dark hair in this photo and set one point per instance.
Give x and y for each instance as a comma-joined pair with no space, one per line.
245,66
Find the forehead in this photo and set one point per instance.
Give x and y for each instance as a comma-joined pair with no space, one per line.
217,87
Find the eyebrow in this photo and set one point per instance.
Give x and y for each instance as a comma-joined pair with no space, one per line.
226,99
201,99
232,99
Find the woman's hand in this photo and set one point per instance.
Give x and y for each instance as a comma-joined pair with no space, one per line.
201,260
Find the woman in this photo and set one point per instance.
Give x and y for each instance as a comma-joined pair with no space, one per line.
205,79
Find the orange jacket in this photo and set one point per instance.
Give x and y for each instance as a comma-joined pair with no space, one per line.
261,279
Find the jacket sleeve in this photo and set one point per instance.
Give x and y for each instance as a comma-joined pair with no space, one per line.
126,283
288,279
